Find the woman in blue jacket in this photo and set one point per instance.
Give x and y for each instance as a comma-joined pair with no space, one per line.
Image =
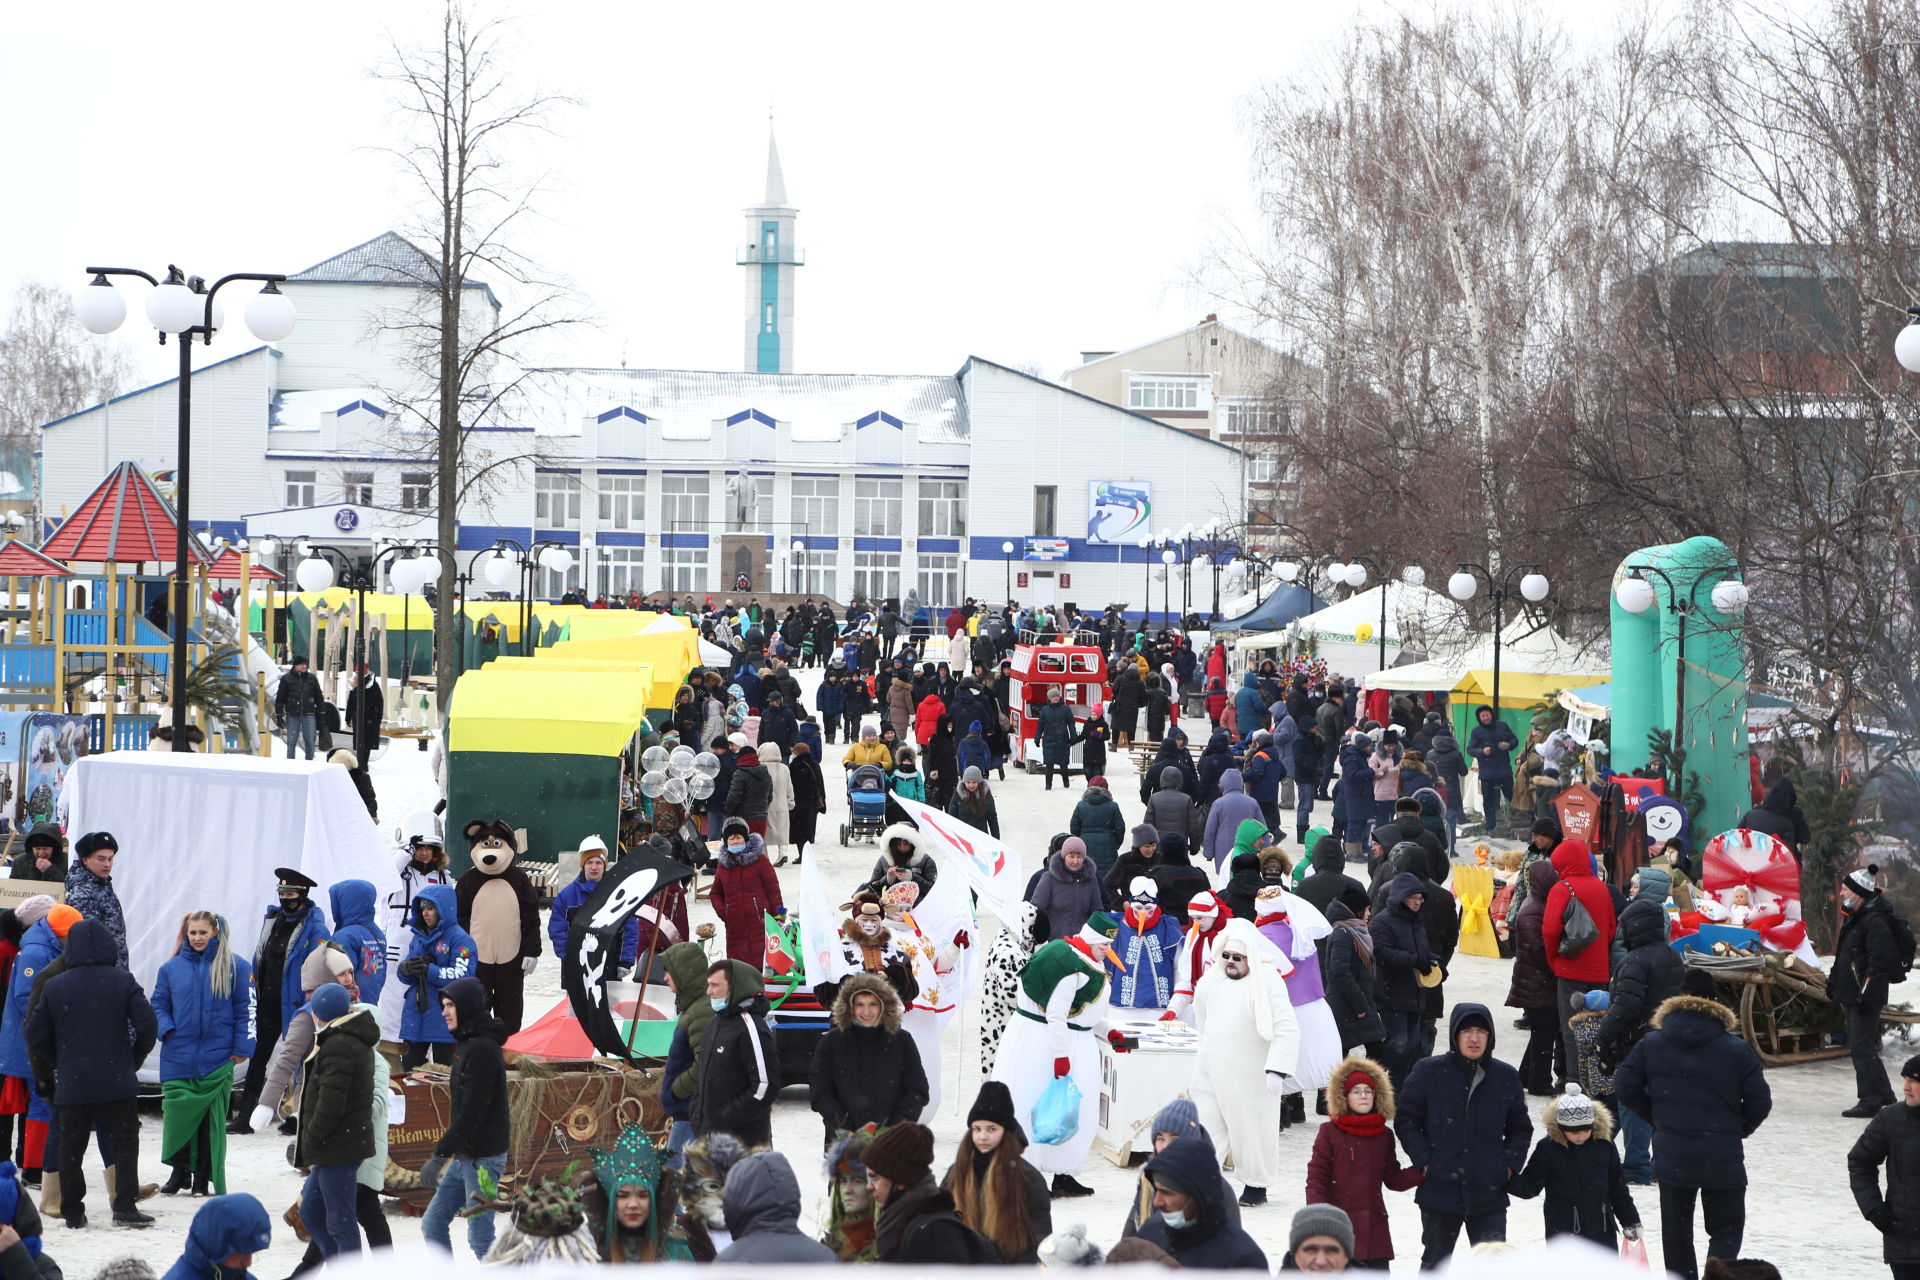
39,947
356,932
205,1005
442,952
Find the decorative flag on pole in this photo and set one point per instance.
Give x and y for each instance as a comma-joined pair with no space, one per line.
593,940
821,953
993,869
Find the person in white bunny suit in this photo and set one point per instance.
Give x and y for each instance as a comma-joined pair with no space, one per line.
1249,1049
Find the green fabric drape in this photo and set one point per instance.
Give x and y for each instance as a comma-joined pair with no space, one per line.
184,1103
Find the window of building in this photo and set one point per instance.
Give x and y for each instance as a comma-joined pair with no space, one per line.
943,508
554,585
940,581
816,505
767,318
300,488
685,568
623,502
1260,470
1046,509
356,487
416,490
876,509
1253,417
617,570
556,500
683,504
1158,392
820,580
876,574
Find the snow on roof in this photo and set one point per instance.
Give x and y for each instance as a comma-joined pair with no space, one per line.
817,406
388,258
303,410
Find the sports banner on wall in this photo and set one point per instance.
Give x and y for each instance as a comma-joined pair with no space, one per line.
1119,511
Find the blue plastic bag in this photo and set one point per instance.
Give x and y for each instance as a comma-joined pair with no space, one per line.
1056,1114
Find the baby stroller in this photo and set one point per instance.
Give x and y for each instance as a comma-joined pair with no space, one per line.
866,803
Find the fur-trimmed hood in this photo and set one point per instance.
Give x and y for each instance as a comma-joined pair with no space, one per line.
1337,1091
1549,1120
909,833
873,984
1698,1006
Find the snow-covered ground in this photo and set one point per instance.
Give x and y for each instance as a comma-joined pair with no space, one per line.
1800,1213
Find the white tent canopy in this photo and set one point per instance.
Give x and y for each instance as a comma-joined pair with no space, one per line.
1417,617
1525,650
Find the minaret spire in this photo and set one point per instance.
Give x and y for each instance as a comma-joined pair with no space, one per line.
770,257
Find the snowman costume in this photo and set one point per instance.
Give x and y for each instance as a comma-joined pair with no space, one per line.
1209,915
1293,925
937,976
1059,1013
1249,1045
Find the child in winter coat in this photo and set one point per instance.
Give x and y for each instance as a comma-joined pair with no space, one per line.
906,779
1355,1158
973,751
442,952
1583,1028
745,888
203,1002
1578,1167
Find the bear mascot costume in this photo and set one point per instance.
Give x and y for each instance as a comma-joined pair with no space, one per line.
499,908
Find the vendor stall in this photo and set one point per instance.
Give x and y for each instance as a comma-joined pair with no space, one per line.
541,749
204,833
1536,662
1347,634
1136,1082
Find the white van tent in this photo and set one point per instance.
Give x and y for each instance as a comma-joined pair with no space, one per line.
1418,618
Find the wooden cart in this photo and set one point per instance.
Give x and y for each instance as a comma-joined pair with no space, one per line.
1782,1006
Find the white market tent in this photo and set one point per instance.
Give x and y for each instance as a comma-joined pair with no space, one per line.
1418,617
1535,663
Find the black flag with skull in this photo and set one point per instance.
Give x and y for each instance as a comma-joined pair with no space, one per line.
594,935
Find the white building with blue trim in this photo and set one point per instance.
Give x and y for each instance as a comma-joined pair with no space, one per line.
963,484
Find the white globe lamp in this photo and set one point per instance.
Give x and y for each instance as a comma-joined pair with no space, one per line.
1730,596
100,307
270,314
1906,347
500,570
1534,587
556,559
1289,571
1356,575
1635,595
1462,585
174,308
314,574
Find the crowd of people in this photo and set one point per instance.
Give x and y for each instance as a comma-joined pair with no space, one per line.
1307,951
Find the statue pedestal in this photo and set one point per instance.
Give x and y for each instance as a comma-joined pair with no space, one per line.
745,553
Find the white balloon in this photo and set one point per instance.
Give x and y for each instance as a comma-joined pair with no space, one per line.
652,783
680,763
707,764
699,786
675,792
653,758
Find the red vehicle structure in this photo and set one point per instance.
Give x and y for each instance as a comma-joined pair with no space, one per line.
1078,671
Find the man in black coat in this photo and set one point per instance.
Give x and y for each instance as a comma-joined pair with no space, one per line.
1400,954
1893,1139
1779,815
1185,1175
1463,1122
777,722
865,1069
93,1023
1490,746
1703,1090
1329,882
1440,913
477,1122
296,707
739,1063
1866,961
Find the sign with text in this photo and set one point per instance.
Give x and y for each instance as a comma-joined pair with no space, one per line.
1118,511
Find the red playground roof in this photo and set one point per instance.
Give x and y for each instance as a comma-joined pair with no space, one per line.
18,560
227,565
124,521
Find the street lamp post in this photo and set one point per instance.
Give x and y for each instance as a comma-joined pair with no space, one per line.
556,558
1356,577
1167,557
316,573
1465,583
1006,550
410,577
799,550
1636,595
184,306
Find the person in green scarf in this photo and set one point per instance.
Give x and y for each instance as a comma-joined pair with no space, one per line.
205,1003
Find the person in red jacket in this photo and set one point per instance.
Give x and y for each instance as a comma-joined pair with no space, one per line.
744,889
1355,1159
1588,966
926,719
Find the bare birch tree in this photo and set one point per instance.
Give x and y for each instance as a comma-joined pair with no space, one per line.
50,366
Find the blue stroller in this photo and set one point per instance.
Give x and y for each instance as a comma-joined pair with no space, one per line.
866,803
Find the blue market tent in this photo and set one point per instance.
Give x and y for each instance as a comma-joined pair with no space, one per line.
1289,601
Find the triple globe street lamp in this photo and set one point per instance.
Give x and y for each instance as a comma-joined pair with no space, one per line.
183,306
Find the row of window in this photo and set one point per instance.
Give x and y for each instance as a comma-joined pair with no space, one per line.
618,571
356,488
686,504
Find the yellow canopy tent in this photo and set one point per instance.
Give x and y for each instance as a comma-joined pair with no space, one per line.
1521,688
671,655
540,749
545,661
577,623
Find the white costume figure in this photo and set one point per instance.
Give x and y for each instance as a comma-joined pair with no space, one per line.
1012,947
1293,925
1209,915
1060,1012
935,966
1249,1045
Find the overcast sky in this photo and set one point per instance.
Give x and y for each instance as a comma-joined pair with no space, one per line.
1017,181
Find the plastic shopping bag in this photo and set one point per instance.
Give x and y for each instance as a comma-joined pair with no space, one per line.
1056,1115
1634,1251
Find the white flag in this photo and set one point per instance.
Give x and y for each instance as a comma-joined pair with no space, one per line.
993,869
825,959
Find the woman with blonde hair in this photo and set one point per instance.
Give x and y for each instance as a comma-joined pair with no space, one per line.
994,1189
204,1001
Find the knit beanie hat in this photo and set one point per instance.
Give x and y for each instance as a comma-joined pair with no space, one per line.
1069,1247
33,910
1549,828
1145,834
1861,880
1321,1220
1179,1117
995,1103
62,918
1699,982
903,1154
128,1267
329,1003
973,773
1097,780
1574,1109
1597,1001
1912,1070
